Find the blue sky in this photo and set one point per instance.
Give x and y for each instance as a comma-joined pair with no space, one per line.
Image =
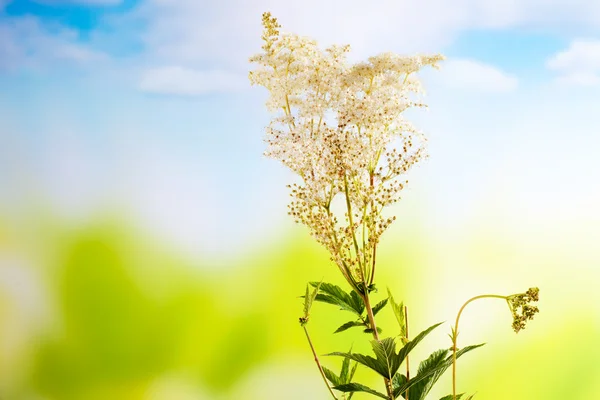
144,106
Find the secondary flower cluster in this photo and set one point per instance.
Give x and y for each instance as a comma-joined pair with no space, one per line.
340,128
521,308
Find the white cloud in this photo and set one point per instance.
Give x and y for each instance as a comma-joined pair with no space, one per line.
188,32
186,81
475,76
579,65
26,42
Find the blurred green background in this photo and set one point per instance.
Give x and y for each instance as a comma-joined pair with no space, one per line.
101,311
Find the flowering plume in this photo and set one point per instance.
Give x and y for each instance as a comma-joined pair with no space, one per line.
340,128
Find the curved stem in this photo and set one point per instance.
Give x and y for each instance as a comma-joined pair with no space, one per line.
318,363
455,335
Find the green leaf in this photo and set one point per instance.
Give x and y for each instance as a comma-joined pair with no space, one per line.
345,369
379,306
357,387
385,351
352,372
332,294
369,330
387,362
306,302
368,361
346,374
357,301
398,309
332,377
458,396
465,350
350,377
349,325
420,390
309,298
398,380
409,346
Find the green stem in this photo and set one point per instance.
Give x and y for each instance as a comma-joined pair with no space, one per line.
455,335
371,184
407,362
318,363
365,296
351,222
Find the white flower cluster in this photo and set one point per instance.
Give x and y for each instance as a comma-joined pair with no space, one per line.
340,128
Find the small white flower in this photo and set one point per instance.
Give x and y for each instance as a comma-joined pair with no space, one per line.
340,128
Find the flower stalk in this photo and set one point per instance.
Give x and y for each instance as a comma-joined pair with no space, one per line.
520,308
316,358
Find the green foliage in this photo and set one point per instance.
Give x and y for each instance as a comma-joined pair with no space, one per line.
387,361
349,325
353,302
357,387
431,370
398,309
409,346
379,306
335,295
345,377
309,298
331,376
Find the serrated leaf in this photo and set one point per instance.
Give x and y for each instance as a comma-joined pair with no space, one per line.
465,350
357,387
345,369
325,298
333,294
386,362
420,390
398,309
332,377
398,380
309,298
433,371
409,346
451,397
350,378
306,302
349,325
379,306
385,351
357,302
352,372
367,361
